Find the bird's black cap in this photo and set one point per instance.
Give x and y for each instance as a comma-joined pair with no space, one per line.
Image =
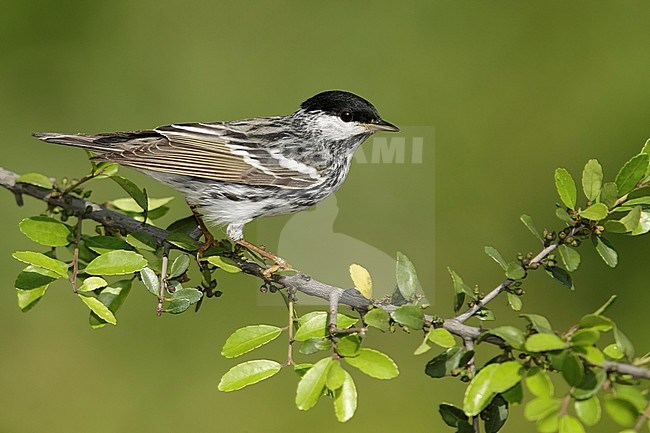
338,101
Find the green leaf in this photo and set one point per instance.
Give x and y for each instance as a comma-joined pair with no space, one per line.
566,188
315,325
31,285
514,271
130,205
91,284
541,407
490,380
622,412
248,338
461,290
496,256
42,261
588,411
570,257
624,343
514,301
314,345
310,387
45,231
409,316
112,297
644,224
248,373
560,275
150,280
591,354
539,323
142,241
539,383
407,277
514,337
219,262
631,173
549,423
374,364
183,241
442,337
452,415
99,309
36,179
140,196
585,337
105,170
495,415
563,215
302,369
596,322
544,343
592,383
631,394
118,262
180,266
335,376
592,179
569,424
609,194
613,351
424,347
530,225
378,318
606,251
349,345
27,299
345,399
573,370
104,244
444,363
595,212
632,219
190,294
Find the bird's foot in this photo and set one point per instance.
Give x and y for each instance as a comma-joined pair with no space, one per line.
279,262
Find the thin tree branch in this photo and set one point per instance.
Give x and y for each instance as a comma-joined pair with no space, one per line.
296,283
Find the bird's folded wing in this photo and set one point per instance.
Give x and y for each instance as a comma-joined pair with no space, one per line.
212,151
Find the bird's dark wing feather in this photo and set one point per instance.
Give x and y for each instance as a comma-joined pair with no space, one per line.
217,151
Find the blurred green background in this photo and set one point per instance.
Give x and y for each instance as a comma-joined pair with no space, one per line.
513,89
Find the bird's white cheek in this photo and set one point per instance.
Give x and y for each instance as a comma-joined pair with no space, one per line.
333,128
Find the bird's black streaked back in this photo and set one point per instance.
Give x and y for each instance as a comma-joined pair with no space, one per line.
336,102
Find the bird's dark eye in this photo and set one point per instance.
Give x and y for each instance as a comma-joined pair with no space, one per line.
346,116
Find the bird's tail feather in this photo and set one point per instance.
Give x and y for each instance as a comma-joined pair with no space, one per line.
84,141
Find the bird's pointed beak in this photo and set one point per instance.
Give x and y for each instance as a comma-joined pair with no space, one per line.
381,125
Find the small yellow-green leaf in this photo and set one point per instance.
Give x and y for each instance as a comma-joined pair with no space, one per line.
540,407
374,364
361,279
621,411
92,283
130,205
179,266
140,196
570,257
595,212
609,194
422,348
315,325
248,338
569,424
514,337
588,411
248,373
496,256
585,337
491,380
566,187
150,280
624,342
606,252
345,399
378,318
310,387
613,351
530,225
45,231
36,179
98,308
407,278
442,337
335,376
410,316
118,262
219,262
42,261
539,383
544,343
104,244
514,271
514,301
631,173
592,179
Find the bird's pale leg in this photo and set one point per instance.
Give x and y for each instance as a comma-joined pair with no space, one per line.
209,239
280,263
